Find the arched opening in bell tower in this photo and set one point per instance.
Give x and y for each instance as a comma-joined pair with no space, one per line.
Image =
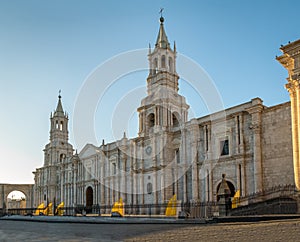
155,65
170,64
175,119
151,120
163,61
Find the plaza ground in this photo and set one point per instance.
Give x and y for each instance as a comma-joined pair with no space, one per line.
275,230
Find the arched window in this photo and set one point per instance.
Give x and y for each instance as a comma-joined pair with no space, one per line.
151,119
149,188
170,64
163,62
56,124
61,125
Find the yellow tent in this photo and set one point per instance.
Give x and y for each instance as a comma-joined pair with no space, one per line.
49,210
59,210
118,207
40,209
236,199
172,206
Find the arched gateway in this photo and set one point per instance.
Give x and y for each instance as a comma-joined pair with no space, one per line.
27,189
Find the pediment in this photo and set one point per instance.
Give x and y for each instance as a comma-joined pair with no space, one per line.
87,151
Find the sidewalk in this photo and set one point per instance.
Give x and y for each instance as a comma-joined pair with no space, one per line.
147,220
104,220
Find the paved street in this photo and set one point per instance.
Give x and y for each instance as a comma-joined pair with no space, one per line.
288,230
41,231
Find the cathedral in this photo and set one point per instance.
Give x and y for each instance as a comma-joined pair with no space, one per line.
256,146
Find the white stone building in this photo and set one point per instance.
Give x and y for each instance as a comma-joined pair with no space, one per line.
250,143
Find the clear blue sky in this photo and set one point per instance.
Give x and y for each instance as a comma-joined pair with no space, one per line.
50,45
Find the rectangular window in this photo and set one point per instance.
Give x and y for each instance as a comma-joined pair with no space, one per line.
224,145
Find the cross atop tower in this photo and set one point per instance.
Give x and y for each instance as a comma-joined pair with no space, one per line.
161,11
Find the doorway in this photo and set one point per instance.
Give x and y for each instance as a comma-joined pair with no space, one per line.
89,199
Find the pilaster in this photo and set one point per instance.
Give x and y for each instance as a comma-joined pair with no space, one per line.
256,126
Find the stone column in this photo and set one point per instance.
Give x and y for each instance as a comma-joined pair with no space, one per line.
256,124
194,143
102,175
290,60
154,162
294,96
211,179
237,137
183,163
242,148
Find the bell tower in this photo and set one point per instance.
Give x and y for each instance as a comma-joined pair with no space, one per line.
59,124
58,149
163,108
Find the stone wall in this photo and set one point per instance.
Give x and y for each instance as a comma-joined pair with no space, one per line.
277,146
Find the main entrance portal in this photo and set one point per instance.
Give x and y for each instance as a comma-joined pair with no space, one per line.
89,199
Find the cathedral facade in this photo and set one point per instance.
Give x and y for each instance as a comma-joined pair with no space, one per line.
254,145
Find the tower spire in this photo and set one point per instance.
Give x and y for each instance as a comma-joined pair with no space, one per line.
59,112
162,39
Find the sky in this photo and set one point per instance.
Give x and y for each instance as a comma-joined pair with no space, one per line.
47,46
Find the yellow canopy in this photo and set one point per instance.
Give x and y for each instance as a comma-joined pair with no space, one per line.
172,207
40,209
49,210
236,200
118,207
59,210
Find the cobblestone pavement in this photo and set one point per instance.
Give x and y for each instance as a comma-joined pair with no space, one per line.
287,230
259,231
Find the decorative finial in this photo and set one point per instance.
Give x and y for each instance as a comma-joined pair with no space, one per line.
103,142
124,135
59,92
161,16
